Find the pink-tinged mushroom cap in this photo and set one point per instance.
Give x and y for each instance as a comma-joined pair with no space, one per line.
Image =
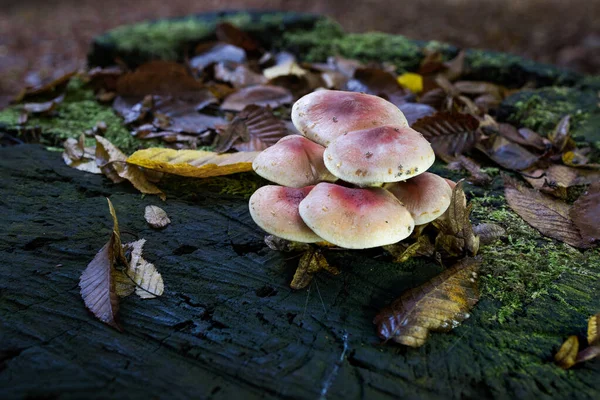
293,161
275,209
383,154
324,115
426,196
356,218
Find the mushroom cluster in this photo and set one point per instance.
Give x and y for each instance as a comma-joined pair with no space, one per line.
363,143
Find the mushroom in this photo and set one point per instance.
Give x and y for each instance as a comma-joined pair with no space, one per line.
324,115
355,218
293,161
388,153
426,196
275,209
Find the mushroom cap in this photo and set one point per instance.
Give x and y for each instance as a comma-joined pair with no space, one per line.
426,196
293,161
387,153
324,115
356,218
275,210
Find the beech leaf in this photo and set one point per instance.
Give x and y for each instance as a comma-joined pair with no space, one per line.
311,262
77,156
156,217
450,134
439,305
548,215
586,214
158,78
261,95
510,155
593,331
97,280
253,129
140,275
193,163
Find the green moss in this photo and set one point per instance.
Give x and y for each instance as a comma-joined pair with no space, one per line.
77,113
541,109
525,266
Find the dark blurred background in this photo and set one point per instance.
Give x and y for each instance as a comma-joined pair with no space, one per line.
40,38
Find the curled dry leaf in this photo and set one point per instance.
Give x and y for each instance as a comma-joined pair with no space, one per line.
280,244
455,232
193,163
156,217
557,179
253,129
567,354
139,276
585,213
402,251
261,95
488,232
312,261
133,108
55,84
77,156
560,134
593,331
548,215
450,134
229,33
438,305
97,281
112,163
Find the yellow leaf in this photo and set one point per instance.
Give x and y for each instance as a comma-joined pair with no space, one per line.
567,355
411,81
593,333
193,163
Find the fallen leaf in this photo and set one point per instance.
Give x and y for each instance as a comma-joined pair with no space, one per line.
593,331
284,69
229,33
158,78
523,136
97,280
44,108
588,353
133,108
478,176
585,213
77,156
239,75
415,111
557,179
455,232
488,233
177,115
560,134
112,163
411,81
548,215
253,129
374,81
450,134
438,305
156,217
478,88
567,354
403,251
311,262
215,53
508,154
140,275
51,86
193,163
260,95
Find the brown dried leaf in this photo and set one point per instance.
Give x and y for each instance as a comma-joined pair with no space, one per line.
158,78
415,111
112,163
508,154
566,356
133,109
478,176
479,88
438,305
77,156
455,232
156,217
54,85
182,116
402,251
585,213
374,81
253,129
312,261
548,215
229,33
193,163
140,275
523,136
261,95
97,281
488,232
560,135
239,75
557,179
450,134
588,353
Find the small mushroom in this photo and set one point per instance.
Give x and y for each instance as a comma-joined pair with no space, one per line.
293,161
275,209
426,196
324,115
356,218
373,156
